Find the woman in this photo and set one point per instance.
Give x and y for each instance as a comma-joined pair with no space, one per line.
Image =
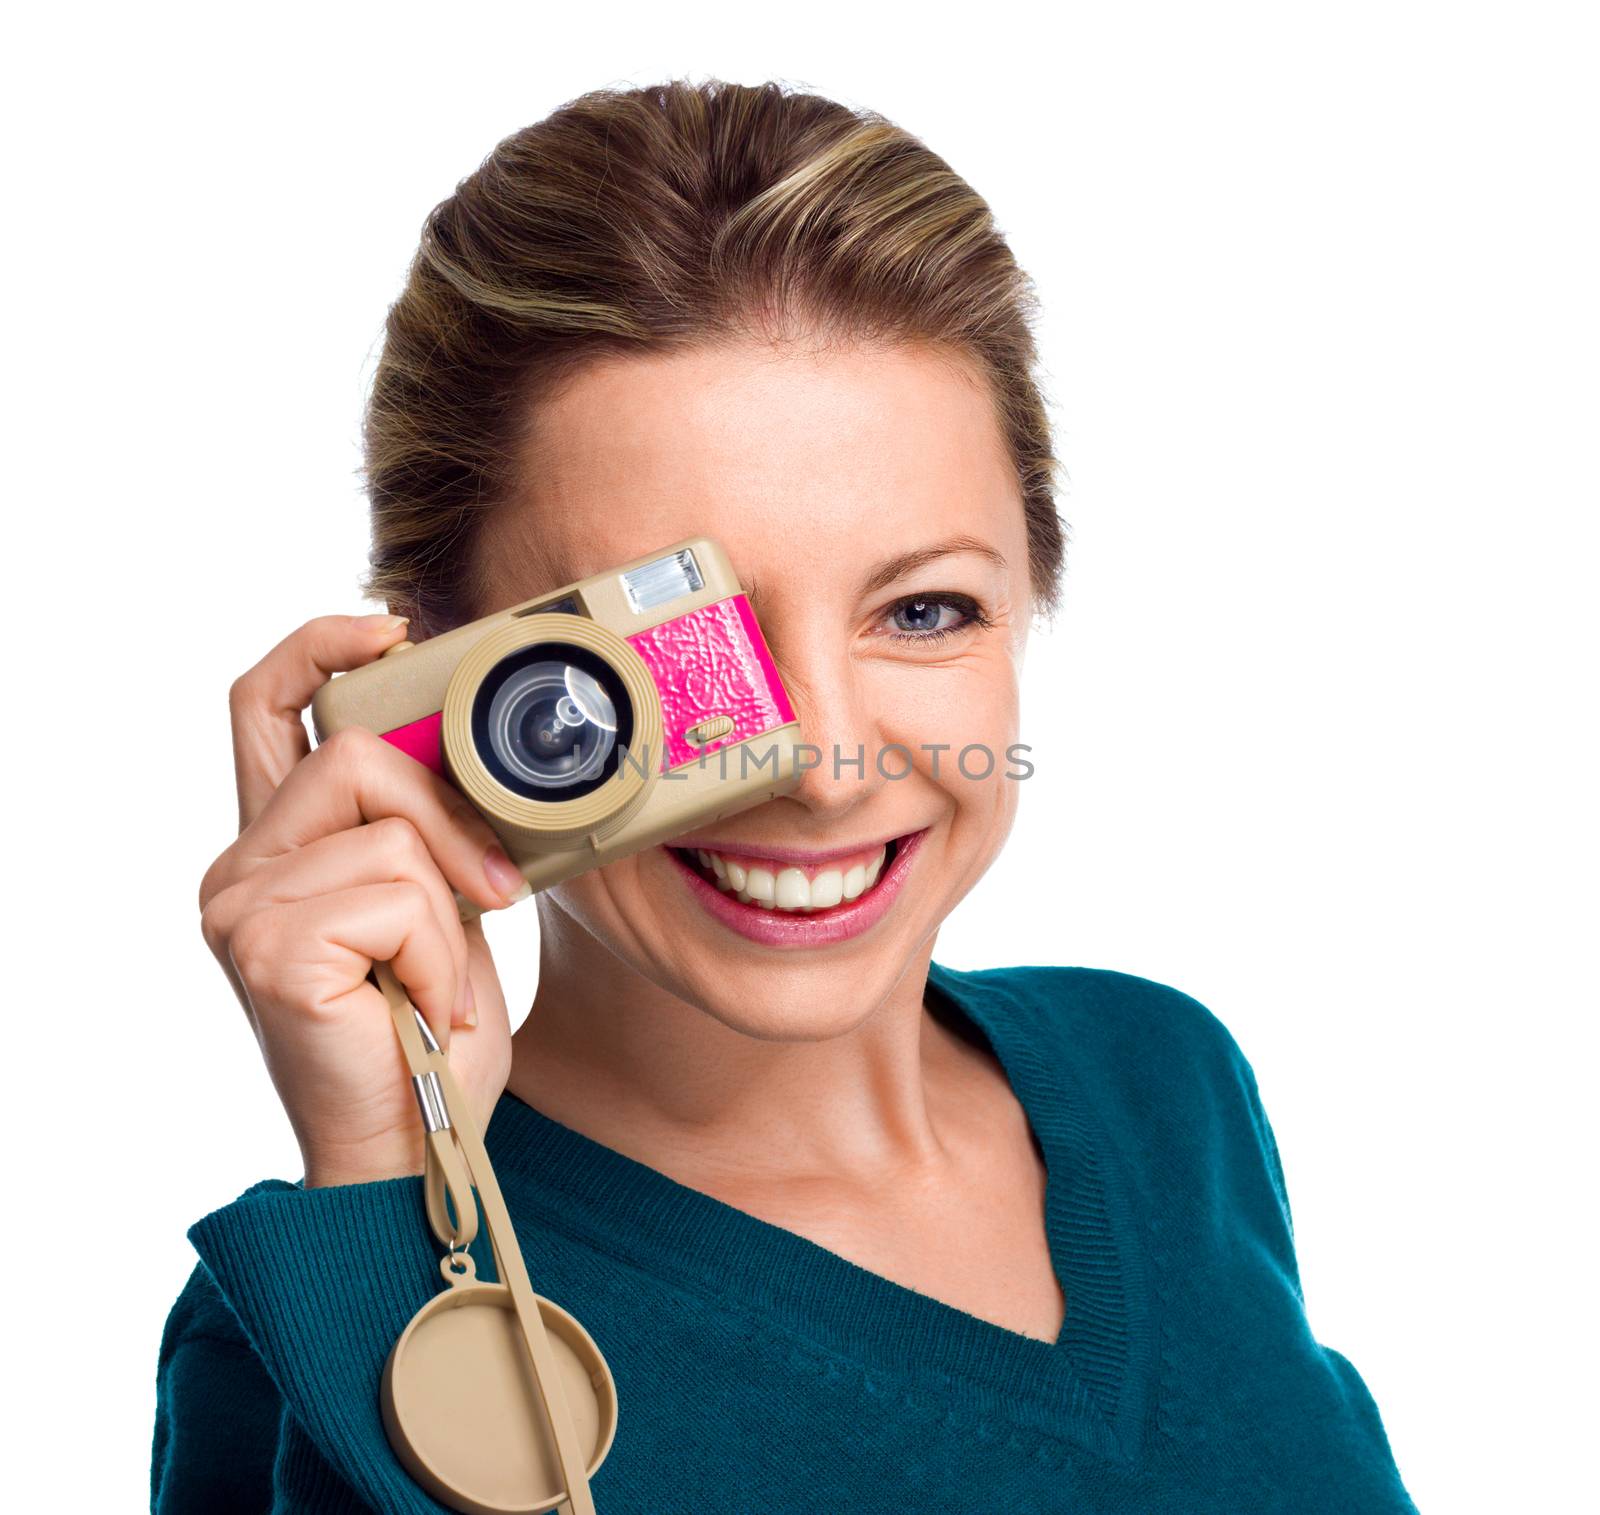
854,1231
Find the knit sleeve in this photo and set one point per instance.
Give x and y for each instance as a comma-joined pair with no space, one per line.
1256,1169
217,1410
322,1282
1357,1397
1269,1144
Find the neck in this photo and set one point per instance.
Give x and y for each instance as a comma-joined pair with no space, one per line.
613,1055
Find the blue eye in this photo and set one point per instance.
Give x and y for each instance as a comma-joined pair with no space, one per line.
931,617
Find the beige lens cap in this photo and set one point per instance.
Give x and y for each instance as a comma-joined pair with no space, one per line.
463,1411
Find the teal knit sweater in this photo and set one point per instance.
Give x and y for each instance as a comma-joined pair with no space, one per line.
761,1374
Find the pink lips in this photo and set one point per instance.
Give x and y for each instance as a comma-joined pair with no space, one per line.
778,928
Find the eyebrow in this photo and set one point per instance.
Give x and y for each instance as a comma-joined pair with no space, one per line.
903,563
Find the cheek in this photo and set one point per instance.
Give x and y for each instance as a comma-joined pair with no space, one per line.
971,705
598,900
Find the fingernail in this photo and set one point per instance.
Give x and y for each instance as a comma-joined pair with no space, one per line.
505,878
381,622
467,1009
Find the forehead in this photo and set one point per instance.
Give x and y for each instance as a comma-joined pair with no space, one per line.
786,453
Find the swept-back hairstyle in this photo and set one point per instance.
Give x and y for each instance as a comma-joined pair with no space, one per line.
635,220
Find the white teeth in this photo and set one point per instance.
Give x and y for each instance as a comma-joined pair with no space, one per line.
760,884
790,889
827,889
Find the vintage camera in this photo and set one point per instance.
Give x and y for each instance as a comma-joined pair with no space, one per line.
595,721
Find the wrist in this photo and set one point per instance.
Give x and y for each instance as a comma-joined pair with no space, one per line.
327,1167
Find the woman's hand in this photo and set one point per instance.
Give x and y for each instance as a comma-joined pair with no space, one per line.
347,854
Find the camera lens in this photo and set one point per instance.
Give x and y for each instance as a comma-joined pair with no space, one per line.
538,727
548,721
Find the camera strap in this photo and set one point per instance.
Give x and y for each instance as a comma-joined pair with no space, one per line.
457,1162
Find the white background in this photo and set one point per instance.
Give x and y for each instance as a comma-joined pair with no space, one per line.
1315,731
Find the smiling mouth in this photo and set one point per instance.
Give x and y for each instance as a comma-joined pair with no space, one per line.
785,889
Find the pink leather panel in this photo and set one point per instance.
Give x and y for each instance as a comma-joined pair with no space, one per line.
713,661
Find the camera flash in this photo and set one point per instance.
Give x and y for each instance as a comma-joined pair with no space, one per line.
663,580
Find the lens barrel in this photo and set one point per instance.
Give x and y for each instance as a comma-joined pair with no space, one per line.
552,728
549,721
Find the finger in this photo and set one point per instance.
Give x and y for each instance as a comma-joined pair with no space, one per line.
265,702
484,977
386,851
393,923
355,777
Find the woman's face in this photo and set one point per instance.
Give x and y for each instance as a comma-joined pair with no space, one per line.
869,508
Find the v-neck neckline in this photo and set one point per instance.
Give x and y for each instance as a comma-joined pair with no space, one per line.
1090,1383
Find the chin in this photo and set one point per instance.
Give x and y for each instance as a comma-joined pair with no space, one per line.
790,1006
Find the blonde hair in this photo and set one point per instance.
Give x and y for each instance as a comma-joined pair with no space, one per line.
635,220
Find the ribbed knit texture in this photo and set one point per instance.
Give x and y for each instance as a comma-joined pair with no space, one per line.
760,1374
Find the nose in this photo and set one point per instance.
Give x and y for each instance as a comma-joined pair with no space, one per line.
839,729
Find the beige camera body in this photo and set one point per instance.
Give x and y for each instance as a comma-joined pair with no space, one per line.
666,647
